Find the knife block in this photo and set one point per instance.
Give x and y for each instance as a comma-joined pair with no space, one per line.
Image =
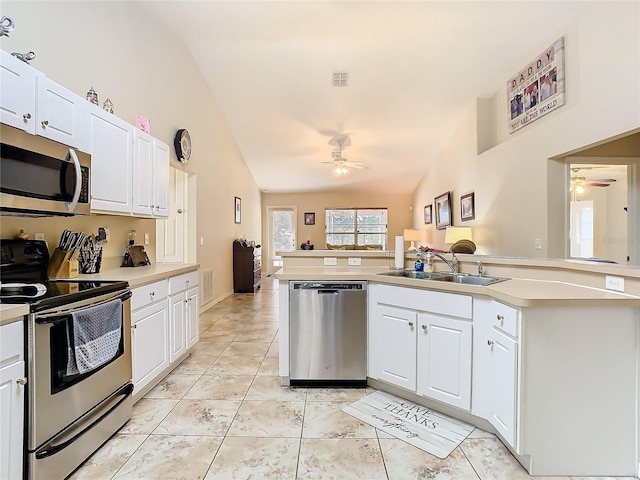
61,265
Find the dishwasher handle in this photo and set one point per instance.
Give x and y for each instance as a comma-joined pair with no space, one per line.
327,292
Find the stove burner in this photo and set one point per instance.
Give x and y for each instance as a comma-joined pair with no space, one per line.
22,290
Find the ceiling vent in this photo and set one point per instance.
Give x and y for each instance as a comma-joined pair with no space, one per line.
340,79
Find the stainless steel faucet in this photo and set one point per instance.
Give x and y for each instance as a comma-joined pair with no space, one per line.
452,264
480,269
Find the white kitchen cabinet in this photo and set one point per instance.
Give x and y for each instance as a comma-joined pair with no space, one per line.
18,93
183,308
392,346
150,176
495,366
59,114
444,359
12,385
111,148
150,333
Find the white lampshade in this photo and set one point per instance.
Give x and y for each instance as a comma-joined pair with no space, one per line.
411,235
453,234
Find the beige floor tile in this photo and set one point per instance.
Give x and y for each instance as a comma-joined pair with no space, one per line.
235,366
214,335
246,349
479,433
268,419
269,366
147,415
255,458
195,364
269,388
107,461
220,387
199,417
326,420
274,350
492,461
209,348
404,461
339,459
335,394
171,457
174,386
255,336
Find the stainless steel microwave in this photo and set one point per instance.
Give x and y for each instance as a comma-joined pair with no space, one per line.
40,177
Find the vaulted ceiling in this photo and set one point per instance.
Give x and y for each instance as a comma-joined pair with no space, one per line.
414,69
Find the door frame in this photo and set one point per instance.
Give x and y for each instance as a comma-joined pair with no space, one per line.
268,261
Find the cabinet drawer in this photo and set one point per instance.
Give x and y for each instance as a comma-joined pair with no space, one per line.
506,318
183,282
11,343
148,294
444,303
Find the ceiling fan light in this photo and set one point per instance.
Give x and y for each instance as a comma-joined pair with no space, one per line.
340,170
579,189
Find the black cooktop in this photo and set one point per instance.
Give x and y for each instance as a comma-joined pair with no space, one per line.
23,278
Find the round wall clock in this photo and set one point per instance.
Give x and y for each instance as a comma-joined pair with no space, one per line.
182,144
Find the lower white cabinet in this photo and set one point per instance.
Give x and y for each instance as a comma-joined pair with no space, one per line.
12,385
444,359
193,317
150,333
422,341
183,308
495,366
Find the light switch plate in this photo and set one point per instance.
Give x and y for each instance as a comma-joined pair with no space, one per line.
355,261
38,236
614,283
330,261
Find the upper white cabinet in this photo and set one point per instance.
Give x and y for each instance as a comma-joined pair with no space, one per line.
59,114
33,103
18,93
111,146
150,176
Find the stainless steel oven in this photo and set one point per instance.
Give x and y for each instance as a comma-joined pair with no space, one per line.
78,352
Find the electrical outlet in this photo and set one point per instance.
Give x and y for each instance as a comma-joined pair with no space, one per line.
355,261
614,283
538,243
38,236
201,240
146,239
330,261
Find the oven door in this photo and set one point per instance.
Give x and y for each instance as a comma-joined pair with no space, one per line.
56,399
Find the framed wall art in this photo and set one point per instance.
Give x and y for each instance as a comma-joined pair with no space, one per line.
468,207
443,210
237,210
309,218
428,212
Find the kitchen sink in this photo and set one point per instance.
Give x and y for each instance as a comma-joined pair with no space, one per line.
461,278
468,279
413,274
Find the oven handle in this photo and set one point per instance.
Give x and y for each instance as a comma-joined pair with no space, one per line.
50,450
41,318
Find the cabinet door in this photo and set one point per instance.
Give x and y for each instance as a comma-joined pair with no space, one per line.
504,379
111,148
60,114
12,420
150,346
193,320
178,306
444,359
393,332
161,179
142,173
18,93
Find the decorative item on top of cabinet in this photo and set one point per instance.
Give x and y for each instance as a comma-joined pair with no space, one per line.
246,266
108,105
92,96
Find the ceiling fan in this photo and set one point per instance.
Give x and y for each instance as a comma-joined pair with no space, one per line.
340,163
578,182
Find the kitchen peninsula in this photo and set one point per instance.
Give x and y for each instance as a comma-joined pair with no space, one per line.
534,356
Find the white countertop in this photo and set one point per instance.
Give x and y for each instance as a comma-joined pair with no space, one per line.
518,292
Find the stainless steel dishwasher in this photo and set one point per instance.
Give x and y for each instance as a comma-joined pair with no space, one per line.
328,333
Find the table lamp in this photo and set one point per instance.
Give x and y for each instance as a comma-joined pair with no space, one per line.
412,236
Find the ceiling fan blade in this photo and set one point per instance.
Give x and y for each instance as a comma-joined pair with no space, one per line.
603,180
594,184
359,165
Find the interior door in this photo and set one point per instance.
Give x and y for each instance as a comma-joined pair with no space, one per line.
170,233
281,235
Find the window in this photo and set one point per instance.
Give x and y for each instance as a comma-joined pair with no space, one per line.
282,233
366,227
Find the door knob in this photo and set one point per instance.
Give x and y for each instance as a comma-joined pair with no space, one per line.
411,324
179,210
45,123
26,116
424,327
21,381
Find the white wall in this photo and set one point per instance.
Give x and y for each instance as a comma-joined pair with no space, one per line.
515,202
122,53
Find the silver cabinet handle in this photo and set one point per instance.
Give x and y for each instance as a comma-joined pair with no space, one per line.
179,210
134,326
21,381
490,343
411,324
44,123
424,327
26,116
500,317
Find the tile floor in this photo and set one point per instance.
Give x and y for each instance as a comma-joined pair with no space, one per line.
222,414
